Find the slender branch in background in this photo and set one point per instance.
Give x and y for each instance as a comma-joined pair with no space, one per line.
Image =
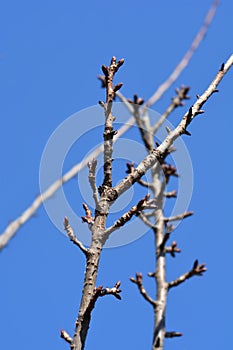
143,292
162,237
179,217
173,334
185,60
177,101
197,270
130,168
15,225
146,221
171,194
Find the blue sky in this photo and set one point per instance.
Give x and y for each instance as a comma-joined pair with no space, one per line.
50,55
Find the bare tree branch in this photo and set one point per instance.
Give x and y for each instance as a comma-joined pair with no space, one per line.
146,221
185,60
64,335
109,73
92,179
72,236
173,334
157,155
171,194
135,210
138,282
15,225
179,217
197,270
176,102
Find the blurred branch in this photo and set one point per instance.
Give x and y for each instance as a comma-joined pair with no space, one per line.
176,102
197,270
179,217
185,60
15,225
138,282
136,210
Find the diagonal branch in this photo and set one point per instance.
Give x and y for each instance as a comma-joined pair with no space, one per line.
197,270
158,154
143,292
136,210
179,217
185,60
176,102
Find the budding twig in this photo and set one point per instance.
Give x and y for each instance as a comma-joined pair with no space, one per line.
138,282
181,94
136,210
173,249
197,270
72,236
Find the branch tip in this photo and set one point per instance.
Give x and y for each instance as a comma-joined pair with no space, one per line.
64,335
173,334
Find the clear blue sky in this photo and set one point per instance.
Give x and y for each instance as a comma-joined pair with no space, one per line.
50,55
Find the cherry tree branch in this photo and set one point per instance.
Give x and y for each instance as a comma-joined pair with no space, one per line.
179,217
30,211
136,210
92,179
141,288
187,57
157,155
197,270
176,102
109,73
72,236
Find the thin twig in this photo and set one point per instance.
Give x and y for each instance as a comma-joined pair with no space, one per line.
143,292
72,236
179,217
197,270
135,210
146,221
170,194
176,102
64,335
